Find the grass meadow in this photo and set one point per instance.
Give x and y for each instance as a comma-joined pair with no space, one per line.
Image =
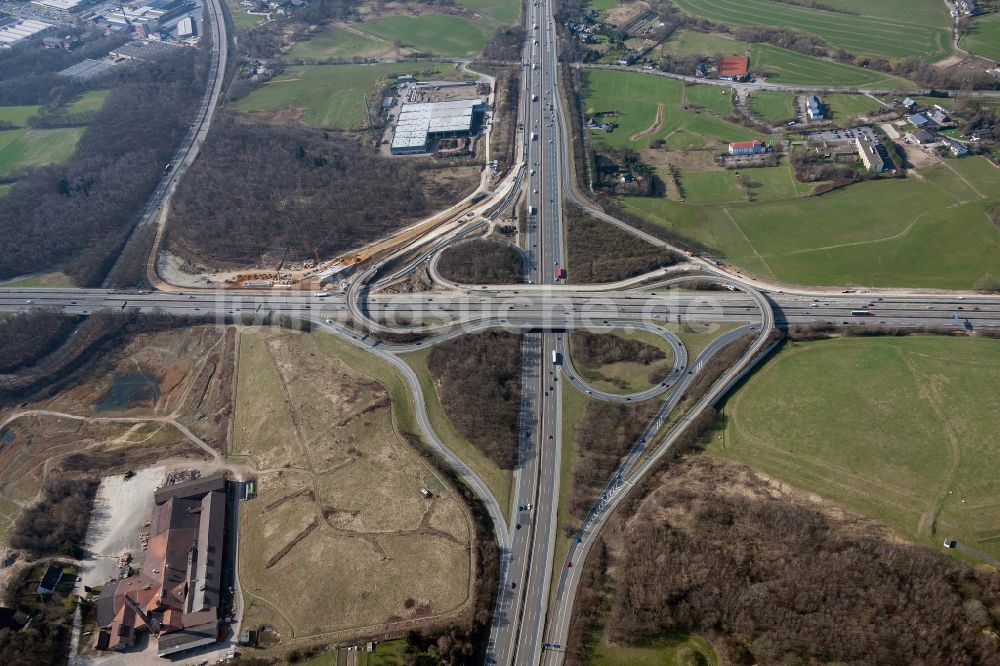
934,232
781,65
331,96
899,429
635,97
889,28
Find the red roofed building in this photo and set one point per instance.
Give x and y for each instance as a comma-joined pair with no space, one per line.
177,595
734,68
754,147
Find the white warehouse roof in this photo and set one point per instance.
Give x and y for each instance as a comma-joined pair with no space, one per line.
417,121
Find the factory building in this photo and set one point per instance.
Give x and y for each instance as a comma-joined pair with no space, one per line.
14,31
419,125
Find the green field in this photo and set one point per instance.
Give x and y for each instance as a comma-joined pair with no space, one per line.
26,148
635,97
902,430
336,43
502,11
781,65
679,650
772,106
788,67
843,107
889,28
716,99
89,102
717,187
440,34
929,233
5,188
602,5
984,39
17,115
331,95
242,20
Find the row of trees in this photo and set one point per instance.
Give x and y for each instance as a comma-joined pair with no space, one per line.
77,215
478,379
256,190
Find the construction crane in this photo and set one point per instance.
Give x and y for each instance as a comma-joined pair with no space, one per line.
121,8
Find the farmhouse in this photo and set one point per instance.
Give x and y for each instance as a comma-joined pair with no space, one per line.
938,117
178,594
814,109
922,137
420,124
956,148
734,68
755,147
918,120
870,156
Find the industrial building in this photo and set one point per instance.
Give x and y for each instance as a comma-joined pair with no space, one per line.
62,5
152,16
419,125
14,31
177,597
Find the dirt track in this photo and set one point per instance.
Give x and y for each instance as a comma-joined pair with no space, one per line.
652,129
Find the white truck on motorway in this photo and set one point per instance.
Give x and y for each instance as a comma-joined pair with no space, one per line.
534,137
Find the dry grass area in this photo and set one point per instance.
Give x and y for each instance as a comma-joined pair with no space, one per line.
124,411
184,374
339,540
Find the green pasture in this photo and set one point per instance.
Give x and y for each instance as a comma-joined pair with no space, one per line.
789,67
984,39
635,96
933,232
25,148
902,430
336,43
772,106
843,107
440,34
502,11
718,187
17,115
716,99
89,102
332,95
781,65
889,28
664,650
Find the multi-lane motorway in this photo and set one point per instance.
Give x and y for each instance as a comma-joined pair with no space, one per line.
536,597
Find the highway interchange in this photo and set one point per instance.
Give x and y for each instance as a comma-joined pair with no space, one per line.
536,595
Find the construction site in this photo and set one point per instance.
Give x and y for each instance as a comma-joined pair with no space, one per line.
439,117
